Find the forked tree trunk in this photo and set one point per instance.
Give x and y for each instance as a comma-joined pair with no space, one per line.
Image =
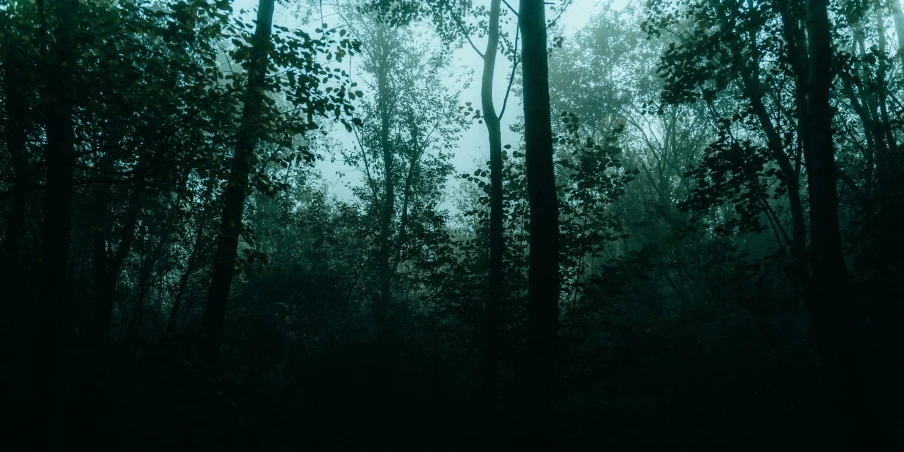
494,295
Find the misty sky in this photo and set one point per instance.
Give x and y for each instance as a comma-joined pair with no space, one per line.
472,144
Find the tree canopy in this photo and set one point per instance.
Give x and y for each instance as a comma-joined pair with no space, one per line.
451,224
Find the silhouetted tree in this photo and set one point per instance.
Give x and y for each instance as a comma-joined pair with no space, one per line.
544,229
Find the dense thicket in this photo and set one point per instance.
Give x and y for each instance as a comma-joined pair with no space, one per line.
687,238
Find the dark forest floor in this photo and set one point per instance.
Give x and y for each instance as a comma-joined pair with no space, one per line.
646,393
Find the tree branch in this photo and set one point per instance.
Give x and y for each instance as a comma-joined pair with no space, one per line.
515,62
510,8
464,32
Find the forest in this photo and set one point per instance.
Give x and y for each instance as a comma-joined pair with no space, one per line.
451,225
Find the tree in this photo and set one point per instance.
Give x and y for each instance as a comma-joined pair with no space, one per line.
402,144
837,309
737,58
59,157
544,232
450,20
497,244
898,16
382,61
262,123
19,93
236,189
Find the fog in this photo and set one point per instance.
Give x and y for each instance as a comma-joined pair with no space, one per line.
299,225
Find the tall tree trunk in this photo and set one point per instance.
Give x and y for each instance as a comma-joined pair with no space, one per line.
796,40
494,295
16,90
384,369
796,37
12,303
59,157
831,281
236,190
543,275
383,95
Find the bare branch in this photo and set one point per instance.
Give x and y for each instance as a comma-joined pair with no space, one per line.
510,8
465,33
515,62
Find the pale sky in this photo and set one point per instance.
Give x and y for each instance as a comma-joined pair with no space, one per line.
473,147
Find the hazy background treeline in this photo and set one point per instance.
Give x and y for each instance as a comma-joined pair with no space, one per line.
222,232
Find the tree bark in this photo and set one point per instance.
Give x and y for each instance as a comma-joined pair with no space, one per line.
831,281
59,158
13,304
16,90
236,191
494,295
383,95
543,274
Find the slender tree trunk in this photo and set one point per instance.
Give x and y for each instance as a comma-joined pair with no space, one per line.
796,39
898,15
831,281
888,214
16,90
59,157
12,303
870,111
88,421
884,159
383,95
869,155
792,180
106,273
543,274
236,190
183,281
491,310
407,195
801,64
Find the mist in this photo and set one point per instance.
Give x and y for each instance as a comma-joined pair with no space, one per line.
451,225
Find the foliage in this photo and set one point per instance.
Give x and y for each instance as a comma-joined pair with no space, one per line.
684,207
